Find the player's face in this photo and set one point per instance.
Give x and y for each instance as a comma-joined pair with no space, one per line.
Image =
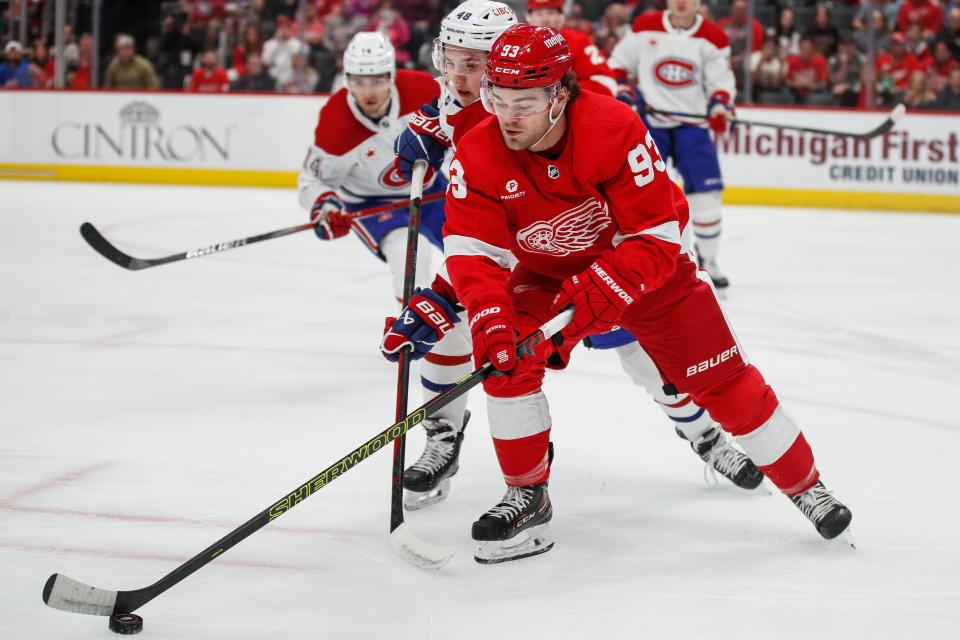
524,114
682,8
372,93
549,17
462,69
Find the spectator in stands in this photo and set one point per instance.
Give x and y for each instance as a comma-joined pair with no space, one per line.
129,70
942,63
15,70
738,31
615,23
807,72
949,98
79,76
889,9
256,78
824,35
916,45
918,94
928,13
303,79
767,69
895,68
42,68
342,25
177,49
388,21
788,37
279,51
845,68
881,29
951,31
251,42
209,77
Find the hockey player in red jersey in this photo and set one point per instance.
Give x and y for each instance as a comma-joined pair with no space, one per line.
474,25
563,200
681,63
593,72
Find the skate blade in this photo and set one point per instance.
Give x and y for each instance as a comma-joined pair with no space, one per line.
413,500
533,542
847,536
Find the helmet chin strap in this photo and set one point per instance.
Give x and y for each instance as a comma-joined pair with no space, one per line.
553,123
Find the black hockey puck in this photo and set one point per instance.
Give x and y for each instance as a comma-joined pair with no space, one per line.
126,623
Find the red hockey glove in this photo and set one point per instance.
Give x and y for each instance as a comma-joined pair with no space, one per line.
720,112
330,217
494,332
599,297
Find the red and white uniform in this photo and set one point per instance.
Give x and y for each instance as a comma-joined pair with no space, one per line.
593,72
519,223
676,70
455,119
352,155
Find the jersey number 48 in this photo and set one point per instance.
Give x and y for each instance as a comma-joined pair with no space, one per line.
644,160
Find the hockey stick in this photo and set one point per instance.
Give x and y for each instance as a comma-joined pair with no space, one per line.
61,592
102,246
885,126
406,545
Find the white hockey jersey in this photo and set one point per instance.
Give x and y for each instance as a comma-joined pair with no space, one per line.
353,156
676,70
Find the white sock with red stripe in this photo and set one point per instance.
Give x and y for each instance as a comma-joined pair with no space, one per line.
521,436
443,367
705,211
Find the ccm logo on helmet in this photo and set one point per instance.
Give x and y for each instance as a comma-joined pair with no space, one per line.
553,41
508,71
675,72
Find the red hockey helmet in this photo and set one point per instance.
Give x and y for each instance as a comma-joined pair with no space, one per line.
533,5
527,56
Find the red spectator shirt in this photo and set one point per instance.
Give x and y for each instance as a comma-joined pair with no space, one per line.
898,70
926,12
938,75
215,81
800,69
734,31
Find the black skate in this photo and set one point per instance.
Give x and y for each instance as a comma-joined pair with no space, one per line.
828,515
428,479
720,281
518,527
716,450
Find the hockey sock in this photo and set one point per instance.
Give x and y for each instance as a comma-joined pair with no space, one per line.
521,437
707,223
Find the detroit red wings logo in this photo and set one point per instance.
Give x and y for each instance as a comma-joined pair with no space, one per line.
573,230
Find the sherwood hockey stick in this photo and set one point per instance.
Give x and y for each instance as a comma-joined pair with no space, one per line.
102,246
885,126
415,551
61,592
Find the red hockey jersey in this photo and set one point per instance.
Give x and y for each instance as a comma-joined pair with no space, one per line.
589,64
606,191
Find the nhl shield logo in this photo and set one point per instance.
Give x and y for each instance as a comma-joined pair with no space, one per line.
553,172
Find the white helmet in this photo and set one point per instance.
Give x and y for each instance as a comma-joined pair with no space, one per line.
369,53
475,24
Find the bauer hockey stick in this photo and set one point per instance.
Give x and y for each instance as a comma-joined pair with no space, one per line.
61,592
406,545
102,246
885,126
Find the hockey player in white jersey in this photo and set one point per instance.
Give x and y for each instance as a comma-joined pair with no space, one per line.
681,63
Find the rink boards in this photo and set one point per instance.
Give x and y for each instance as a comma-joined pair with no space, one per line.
260,140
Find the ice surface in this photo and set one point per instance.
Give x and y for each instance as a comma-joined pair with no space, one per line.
143,415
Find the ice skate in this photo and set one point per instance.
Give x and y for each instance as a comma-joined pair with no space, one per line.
716,450
517,527
720,281
828,515
427,480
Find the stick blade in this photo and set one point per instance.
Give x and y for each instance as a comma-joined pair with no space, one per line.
102,246
419,553
61,592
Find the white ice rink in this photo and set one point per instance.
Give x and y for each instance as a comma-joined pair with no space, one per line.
143,415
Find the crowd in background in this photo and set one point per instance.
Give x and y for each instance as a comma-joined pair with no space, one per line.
800,51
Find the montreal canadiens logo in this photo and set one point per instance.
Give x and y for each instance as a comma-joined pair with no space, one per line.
573,230
391,177
675,72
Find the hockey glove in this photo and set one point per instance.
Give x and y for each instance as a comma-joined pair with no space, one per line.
630,96
599,296
720,112
421,325
494,332
329,216
423,139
